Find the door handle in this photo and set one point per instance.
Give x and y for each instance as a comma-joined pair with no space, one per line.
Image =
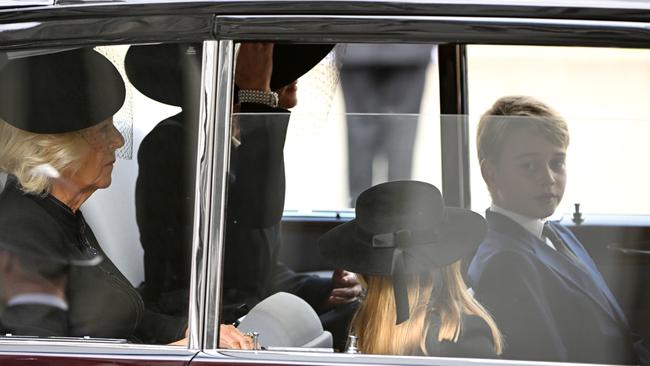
627,251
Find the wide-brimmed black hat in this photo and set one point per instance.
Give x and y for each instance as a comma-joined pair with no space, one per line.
60,92
291,61
161,71
402,228
164,72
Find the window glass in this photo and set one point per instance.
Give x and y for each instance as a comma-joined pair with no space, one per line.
368,116
301,256
602,94
405,275
96,150
308,281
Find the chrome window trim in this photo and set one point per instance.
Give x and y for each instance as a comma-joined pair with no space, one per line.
433,29
219,145
84,349
313,358
97,30
202,194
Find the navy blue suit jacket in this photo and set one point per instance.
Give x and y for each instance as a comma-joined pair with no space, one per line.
548,307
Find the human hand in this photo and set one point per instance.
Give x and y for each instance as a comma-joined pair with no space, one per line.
180,342
254,66
184,341
231,337
347,288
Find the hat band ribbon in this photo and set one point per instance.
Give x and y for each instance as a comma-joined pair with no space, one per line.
406,243
396,239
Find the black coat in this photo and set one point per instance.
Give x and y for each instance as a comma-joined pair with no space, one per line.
475,340
34,320
255,201
252,270
548,308
101,301
164,203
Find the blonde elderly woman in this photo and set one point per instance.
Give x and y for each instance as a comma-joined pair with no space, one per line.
57,145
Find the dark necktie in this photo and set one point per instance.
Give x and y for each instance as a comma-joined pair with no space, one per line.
559,244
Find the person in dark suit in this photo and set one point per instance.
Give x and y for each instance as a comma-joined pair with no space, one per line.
32,288
407,245
266,84
382,79
540,284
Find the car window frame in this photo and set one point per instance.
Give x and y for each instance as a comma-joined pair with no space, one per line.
122,30
215,118
454,31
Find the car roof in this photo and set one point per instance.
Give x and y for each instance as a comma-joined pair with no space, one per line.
567,9
23,3
626,19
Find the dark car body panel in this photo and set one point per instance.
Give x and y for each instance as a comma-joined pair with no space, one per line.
39,23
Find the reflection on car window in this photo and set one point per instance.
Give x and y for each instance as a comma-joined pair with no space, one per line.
349,148
70,244
391,277
614,114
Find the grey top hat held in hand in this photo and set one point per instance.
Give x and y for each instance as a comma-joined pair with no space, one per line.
402,228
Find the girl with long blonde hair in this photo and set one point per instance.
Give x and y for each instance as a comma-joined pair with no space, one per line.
407,247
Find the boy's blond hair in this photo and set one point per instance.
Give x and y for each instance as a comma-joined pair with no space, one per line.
511,114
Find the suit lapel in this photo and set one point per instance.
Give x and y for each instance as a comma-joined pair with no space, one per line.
591,268
583,279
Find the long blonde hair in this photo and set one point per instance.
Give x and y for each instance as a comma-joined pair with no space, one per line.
22,151
440,293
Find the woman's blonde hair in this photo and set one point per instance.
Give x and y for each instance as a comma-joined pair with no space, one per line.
21,152
440,293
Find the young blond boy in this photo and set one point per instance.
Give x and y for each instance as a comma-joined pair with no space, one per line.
540,284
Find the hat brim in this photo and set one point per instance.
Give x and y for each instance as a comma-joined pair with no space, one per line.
458,237
291,61
60,92
157,70
161,71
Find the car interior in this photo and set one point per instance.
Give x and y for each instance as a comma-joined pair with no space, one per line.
246,252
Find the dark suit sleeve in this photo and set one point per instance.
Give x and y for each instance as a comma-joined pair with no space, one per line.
256,201
161,210
259,187
510,289
311,288
159,328
35,320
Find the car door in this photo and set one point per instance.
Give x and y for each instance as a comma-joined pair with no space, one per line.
116,215
316,168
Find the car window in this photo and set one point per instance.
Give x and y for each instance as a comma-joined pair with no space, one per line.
290,244
291,284
98,150
370,120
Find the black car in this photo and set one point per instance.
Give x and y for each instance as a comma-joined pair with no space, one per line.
589,60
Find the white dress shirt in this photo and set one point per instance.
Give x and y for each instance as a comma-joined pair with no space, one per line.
534,226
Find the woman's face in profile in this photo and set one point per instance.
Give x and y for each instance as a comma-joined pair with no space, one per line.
96,166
